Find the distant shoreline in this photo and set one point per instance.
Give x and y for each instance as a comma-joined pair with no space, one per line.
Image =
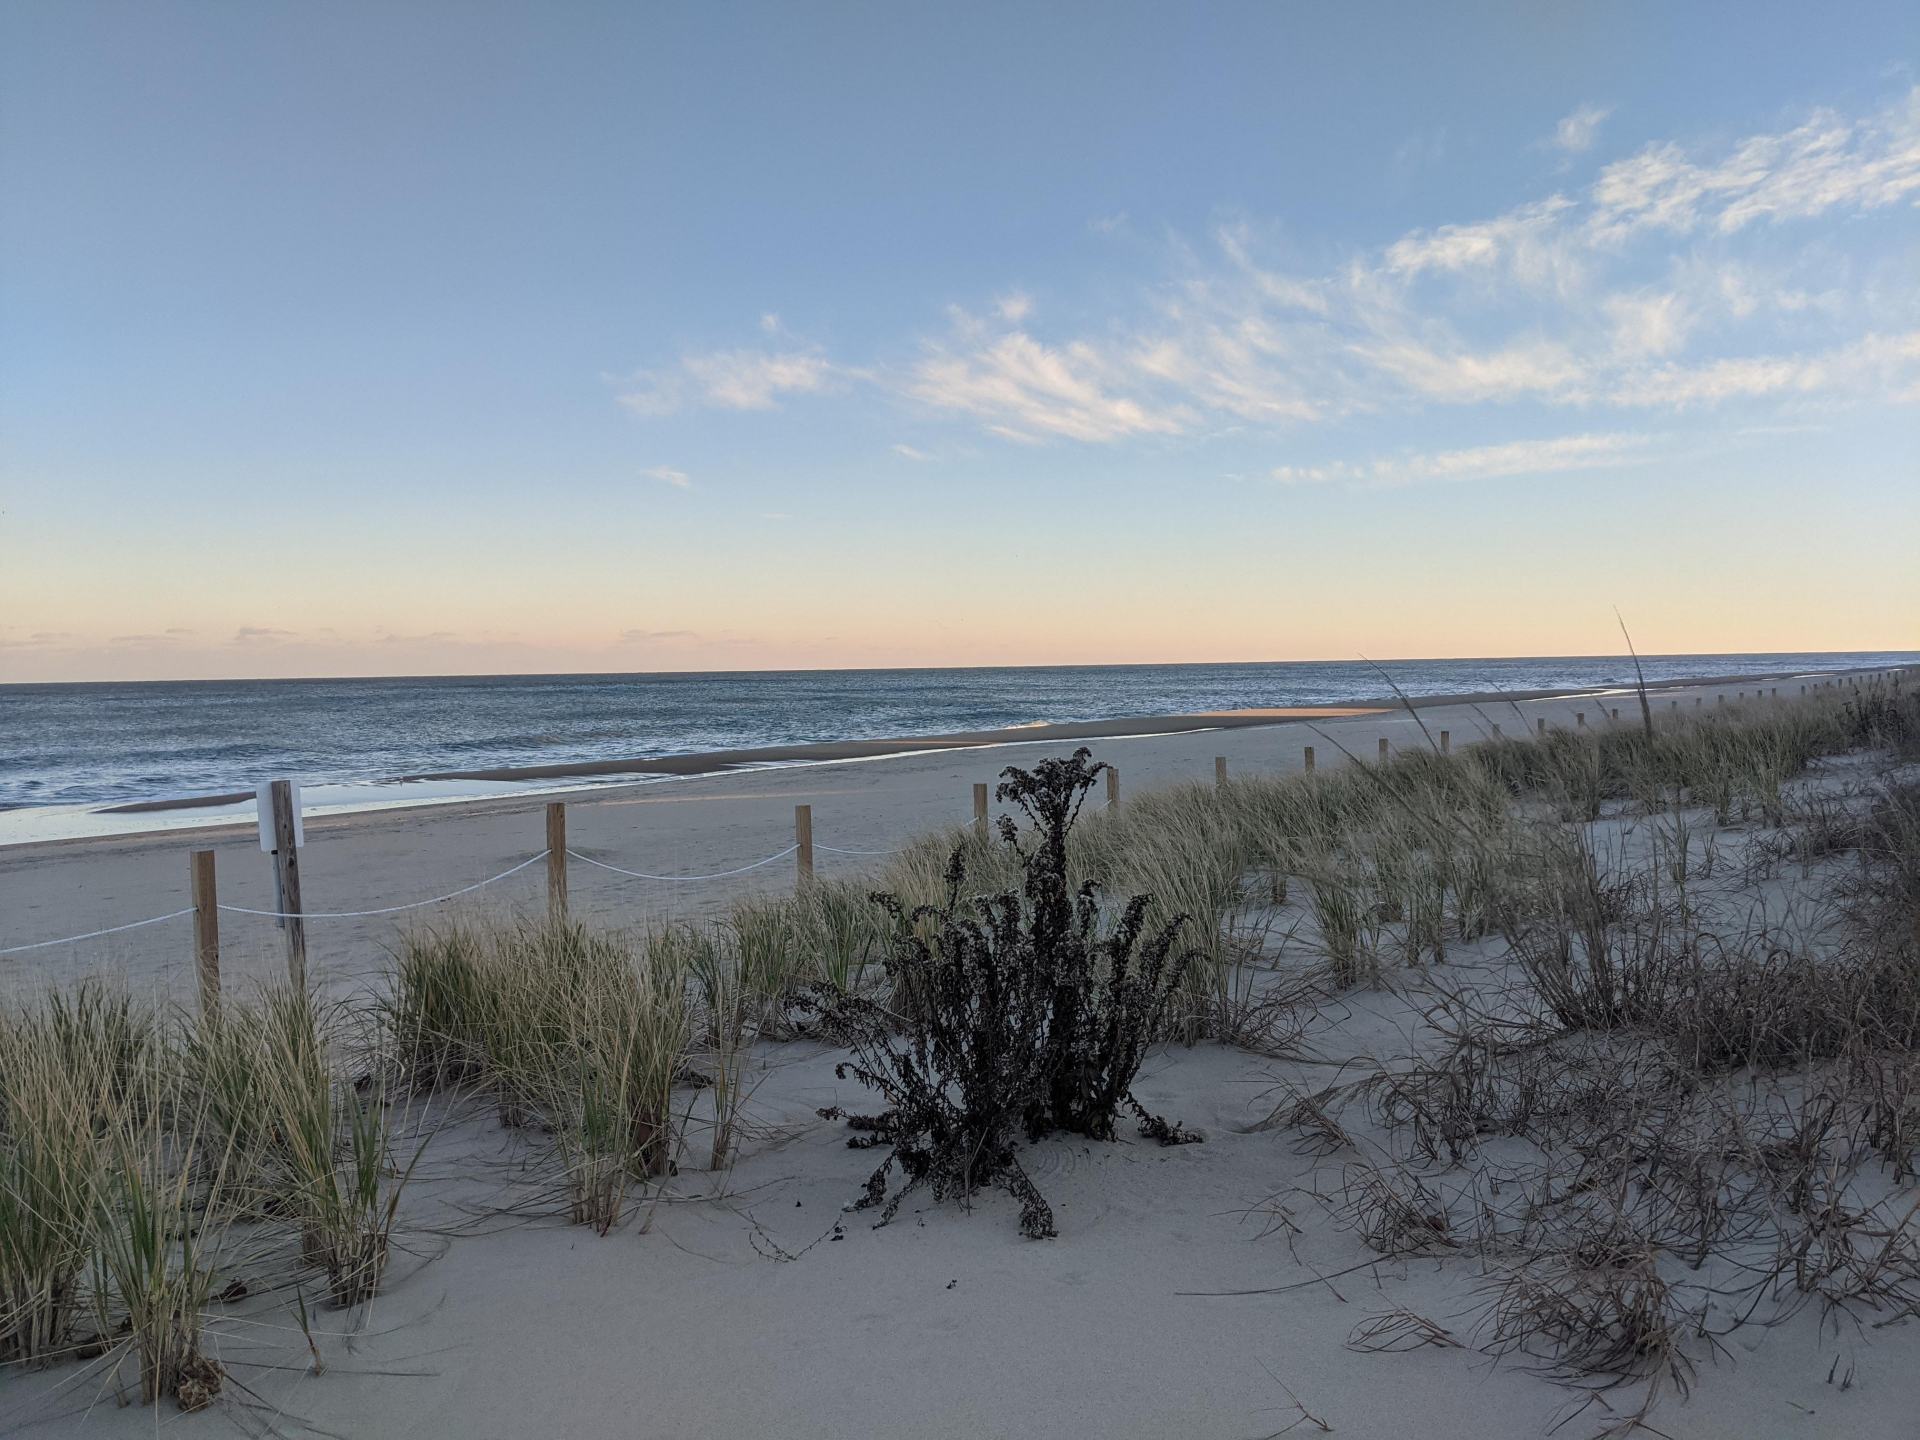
825,752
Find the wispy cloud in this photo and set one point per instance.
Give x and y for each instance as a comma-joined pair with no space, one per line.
667,475
1576,132
1875,362
1828,163
909,452
726,380
646,637
1484,462
1024,390
34,641
260,635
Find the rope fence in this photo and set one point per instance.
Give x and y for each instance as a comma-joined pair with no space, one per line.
384,910
716,875
96,934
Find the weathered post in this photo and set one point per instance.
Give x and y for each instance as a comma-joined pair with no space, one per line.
1308,765
1543,727
556,862
980,810
206,932
1383,749
1113,787
286,867
1220,772
1446,742
803,842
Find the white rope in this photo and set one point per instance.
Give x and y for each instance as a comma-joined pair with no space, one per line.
716,875
94,934
842,850
385,910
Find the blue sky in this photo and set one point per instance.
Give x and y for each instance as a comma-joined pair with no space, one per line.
378,339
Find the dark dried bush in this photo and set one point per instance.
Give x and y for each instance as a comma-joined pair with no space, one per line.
1024,1018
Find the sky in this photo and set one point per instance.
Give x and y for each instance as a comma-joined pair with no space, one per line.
471,338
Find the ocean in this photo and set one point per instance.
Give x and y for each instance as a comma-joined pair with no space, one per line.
99,744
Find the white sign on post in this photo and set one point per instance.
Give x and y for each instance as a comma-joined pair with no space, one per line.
264,800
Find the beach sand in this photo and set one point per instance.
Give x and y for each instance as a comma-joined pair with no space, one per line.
750,1305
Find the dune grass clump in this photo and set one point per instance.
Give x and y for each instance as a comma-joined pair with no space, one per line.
51,1175
113,1201
332,1146
1028,1020
826,932
1188,851
437,1008
159,1231
584,1037
724,1032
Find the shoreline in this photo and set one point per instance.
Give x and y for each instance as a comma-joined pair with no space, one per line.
710,762
605,776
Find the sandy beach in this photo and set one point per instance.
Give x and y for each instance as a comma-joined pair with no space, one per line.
1211,1289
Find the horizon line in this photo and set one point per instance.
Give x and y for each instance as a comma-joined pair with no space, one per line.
889,669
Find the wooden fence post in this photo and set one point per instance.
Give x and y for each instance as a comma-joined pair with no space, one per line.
1308,764
1446,742
1543,727
980,810
1383,748
803,838
1113,787
1220,772
206,932
1580,719
556,862
1614,713
286,865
